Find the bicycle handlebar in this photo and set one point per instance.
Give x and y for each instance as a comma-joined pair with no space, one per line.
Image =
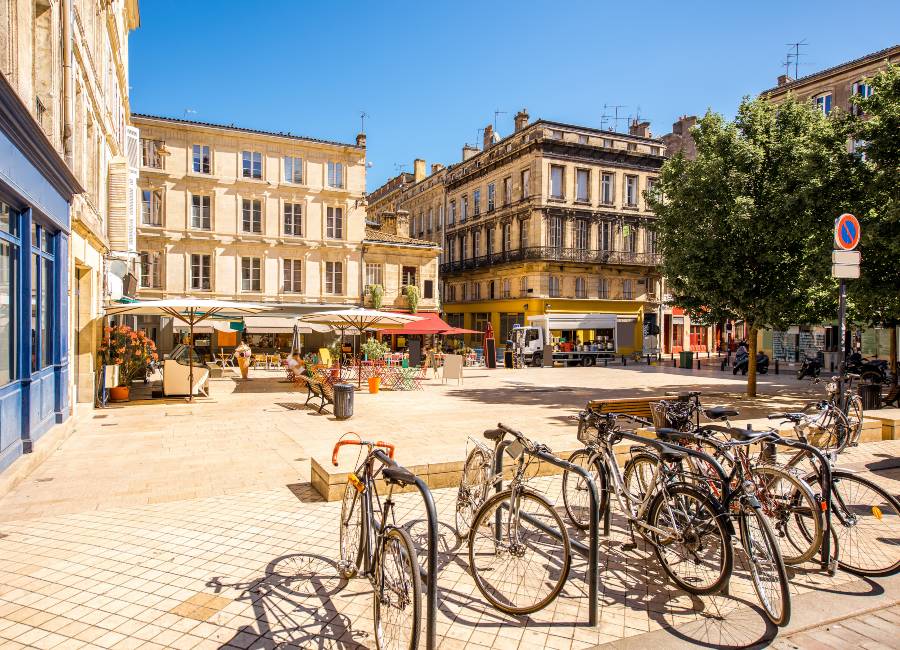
368,443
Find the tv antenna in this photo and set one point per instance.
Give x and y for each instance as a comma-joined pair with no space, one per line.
497,113
189,111
796,54
615,116
399,168
362,121
787,65
479,133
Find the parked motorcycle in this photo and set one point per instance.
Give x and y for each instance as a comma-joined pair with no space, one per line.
871,371
742,363
811,367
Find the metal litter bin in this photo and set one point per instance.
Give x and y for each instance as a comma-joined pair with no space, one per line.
508,358
871,396
343,401
686,360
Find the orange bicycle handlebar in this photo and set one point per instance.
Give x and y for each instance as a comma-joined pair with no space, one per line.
341,443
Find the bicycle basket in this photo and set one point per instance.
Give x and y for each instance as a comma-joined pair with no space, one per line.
586,433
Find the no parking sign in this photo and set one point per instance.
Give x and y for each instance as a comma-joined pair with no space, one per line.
846,232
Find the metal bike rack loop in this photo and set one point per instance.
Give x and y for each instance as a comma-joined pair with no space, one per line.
429,575
590,552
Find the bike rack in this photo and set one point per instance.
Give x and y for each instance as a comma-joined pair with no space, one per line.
590,551
429,575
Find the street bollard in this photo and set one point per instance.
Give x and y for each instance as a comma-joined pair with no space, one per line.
723,364
776,366
698,364
623,361
832,366
674,363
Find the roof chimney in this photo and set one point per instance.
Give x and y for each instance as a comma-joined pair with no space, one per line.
418,169
469,151
361,140
402,228
488,139
521,119
436,167
784,79
640,129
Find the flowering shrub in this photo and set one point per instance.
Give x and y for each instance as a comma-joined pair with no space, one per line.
129,349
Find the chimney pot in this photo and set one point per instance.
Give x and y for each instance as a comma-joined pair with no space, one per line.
402,227
436,167
361,140
418,169
488,138
640,129
784,79
468,152
521,119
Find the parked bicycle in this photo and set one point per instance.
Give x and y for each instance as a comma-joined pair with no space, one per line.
519,550
371,542
688,530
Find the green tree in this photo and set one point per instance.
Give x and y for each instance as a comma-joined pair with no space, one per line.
875,295
745,229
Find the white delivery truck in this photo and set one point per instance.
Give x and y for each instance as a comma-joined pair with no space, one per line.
529,340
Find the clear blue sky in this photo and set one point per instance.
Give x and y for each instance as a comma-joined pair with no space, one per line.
429,74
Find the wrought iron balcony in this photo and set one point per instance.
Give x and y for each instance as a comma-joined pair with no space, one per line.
554,254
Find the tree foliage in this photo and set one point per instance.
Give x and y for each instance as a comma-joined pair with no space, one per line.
746,229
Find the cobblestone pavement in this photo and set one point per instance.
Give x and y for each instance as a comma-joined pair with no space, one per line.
204,532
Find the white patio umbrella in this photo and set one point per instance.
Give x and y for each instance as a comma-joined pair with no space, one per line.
359,318
191,311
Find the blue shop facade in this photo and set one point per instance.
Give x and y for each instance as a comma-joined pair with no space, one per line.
36,191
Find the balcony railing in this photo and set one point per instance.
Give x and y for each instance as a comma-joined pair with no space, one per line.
553,254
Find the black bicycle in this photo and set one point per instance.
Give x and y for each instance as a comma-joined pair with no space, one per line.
378,547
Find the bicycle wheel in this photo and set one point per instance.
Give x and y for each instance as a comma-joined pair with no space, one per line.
398,593
866,520
518,566
855,418
767,572
472,489
694,548
351,532
792,510
638,475
575,492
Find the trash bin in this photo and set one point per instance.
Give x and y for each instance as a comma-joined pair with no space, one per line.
871,396
686,360
343,401
508,358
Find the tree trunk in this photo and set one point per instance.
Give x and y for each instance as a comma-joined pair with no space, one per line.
893,354
751,364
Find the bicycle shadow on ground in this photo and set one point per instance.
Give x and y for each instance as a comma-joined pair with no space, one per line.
293,606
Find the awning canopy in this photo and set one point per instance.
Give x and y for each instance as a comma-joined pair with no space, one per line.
430,323
575,321
269,324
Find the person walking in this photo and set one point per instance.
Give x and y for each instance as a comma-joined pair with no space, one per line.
243,352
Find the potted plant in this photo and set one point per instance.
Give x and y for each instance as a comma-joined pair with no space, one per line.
376,293
374,350
412,297
131,351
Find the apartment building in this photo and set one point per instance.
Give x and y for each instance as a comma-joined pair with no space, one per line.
240,214
64,202
549,220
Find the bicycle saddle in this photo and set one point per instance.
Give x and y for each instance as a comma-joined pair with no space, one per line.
673,435
746,435
671,453
719,412
494,434
398,476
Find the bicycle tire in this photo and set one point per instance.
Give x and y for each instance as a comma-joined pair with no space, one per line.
884,544
472,490
351,532
577,503
794,512
559,554
405,553
635,478
855,418
768,549
711,520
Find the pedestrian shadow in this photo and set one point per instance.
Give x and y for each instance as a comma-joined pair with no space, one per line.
293,606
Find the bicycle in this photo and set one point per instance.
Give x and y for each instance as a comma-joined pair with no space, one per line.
519,549
382,551
688,530
858,507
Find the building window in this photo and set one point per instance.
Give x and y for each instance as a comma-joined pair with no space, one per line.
250,274
555,238
200,212
556,181
629,238
554,286
506,288
440,223
251,216
408,276
862,90
452,219
251,164
465,209
507,190
506,237
149,270
293,219
151,207
334,278
200,265
651,241
606,235
523,285
607,189
449,246
526,183
654,151
334,225
465,291
201,159
428,289
430,226
556,134
488,241
823,103
582,230
151,153
9,280
374,274
477,291
492,195
651,188
580,288
476,243
523,234
583,185
631,146
336,175
628,289
42,292
476,202
603,288
293,169
462,246
293,276
608,143
631,189
582,139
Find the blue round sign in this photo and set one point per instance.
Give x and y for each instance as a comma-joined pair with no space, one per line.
846,232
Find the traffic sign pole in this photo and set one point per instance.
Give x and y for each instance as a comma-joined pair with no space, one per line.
844,260
842,316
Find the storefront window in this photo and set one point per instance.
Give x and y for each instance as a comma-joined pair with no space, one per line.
8,255
42,267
